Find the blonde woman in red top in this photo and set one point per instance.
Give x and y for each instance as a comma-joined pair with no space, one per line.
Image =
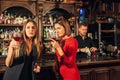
66,50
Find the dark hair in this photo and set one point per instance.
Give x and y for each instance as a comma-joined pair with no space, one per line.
64,22
82,24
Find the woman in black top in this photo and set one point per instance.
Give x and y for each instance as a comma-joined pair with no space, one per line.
22,64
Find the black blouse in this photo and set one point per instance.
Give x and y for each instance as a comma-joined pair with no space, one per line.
22,67
26,73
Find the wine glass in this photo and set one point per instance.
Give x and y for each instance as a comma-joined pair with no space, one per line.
17,37
53,35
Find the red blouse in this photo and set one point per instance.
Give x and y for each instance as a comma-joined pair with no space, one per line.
68,68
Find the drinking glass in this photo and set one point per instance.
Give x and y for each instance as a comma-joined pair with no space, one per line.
53,35
17,37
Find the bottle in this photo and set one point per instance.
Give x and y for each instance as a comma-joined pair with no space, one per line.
44,33
0,49
8,19
2,34
90,35
51,20
24,19
20,20
5,17
115,51
47,33
1,18
96,35
52,33
6,35
12,19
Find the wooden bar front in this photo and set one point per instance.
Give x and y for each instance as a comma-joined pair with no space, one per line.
100,69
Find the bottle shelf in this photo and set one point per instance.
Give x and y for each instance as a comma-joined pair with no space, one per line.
108,31
50,53
107,36
47,25
13,25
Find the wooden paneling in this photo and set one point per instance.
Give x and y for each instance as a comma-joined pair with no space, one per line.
115,73
85,74
7,4
101,73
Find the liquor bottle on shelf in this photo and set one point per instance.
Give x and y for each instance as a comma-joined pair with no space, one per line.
51,20
12,19
1,18
0,49
5,38
44,33
48,34
25,19
96,36
6,35
8,18
2,34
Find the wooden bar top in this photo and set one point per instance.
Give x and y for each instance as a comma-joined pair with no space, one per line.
101,60
80,63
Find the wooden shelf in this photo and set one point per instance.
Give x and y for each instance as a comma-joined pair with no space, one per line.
47,25
108,31
49,53
52,2
107,36
3,25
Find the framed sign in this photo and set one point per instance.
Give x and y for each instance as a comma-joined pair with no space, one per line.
109,6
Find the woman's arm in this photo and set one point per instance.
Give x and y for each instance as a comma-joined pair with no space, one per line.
67,58
11,52
10,56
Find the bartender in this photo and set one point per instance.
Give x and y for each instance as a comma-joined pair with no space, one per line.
85,44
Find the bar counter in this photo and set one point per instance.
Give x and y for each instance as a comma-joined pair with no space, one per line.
103,68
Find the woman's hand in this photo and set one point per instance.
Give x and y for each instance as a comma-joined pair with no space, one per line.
55,44
14,44
36,68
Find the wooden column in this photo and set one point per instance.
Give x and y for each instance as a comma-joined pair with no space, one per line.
0,7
